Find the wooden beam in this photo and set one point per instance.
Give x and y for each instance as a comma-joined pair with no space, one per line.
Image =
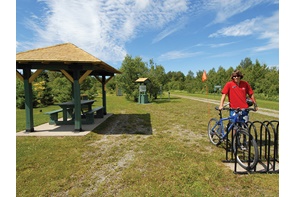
109,79
35,75
83,77
68,76
106,81
98,79
19,76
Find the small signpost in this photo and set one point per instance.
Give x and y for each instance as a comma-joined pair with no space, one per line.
142,97
142,88
217,88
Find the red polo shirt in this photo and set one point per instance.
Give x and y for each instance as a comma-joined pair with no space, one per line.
237,94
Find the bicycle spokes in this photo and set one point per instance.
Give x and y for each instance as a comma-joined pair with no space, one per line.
214,131
245,149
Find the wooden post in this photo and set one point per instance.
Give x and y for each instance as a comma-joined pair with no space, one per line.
28,100
77,101
104,103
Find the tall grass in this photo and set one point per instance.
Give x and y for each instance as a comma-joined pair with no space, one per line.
156,149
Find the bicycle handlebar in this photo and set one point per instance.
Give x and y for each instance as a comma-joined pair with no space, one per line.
236,109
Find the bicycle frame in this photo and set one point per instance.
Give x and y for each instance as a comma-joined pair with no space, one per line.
234,119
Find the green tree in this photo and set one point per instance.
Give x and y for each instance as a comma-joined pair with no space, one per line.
198,81
132,69
61,89
20,94
112,85
175,80
157,76
190,85
211,80
271,81
44,95
247,62
90,87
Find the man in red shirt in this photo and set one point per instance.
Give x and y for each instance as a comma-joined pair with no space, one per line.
237,91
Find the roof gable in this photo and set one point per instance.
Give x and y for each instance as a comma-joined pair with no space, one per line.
66,52
60,57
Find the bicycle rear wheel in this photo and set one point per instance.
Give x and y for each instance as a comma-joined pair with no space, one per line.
214,131
246,149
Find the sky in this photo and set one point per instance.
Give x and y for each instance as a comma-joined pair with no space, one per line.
180,35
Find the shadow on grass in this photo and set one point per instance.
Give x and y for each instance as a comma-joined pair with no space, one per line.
139,124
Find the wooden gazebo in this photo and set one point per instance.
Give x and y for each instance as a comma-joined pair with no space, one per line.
74,63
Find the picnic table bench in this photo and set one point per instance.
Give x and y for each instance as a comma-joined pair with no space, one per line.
94,113
53,116
87,117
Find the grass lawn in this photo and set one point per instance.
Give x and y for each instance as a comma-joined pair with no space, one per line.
157,149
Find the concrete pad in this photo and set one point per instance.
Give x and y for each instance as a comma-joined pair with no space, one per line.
63,130
261,167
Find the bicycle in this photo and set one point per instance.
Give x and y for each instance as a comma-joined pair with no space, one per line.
243,144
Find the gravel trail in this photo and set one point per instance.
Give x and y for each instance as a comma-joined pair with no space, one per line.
264,111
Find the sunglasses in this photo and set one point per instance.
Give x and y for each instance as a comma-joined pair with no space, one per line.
236,76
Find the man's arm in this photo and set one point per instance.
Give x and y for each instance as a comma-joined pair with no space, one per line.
222,101
254,100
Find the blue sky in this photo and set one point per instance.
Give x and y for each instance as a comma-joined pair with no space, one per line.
180,35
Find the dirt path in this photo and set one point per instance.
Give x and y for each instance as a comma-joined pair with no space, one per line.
264,111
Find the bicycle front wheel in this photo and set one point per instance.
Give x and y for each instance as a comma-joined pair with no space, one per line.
214,131
246,149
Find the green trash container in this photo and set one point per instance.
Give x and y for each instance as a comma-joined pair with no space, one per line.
143,98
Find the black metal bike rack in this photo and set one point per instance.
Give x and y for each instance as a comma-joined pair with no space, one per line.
266,134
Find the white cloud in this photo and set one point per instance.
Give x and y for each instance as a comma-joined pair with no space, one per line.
270,31
263,28
225,9
244,28
177,55
170,30
100,27
220,44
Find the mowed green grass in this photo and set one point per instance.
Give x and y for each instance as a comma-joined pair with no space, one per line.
157,149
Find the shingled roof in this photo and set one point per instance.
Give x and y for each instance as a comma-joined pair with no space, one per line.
66,54
142,80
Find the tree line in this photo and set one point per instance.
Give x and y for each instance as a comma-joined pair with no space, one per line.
263,79
52,87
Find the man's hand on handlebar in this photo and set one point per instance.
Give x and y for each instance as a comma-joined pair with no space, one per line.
255,107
